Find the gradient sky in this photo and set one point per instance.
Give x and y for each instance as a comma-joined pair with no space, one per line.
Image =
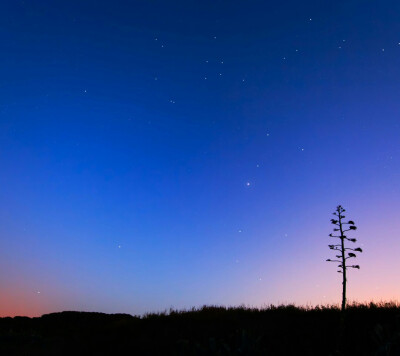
158,154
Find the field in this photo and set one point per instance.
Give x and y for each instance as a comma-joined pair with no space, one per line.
370,329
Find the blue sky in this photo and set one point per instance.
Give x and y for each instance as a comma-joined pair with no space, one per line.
158,154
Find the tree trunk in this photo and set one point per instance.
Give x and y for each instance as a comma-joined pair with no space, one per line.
344,291
343,263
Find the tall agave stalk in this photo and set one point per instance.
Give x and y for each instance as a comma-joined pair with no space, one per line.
344,254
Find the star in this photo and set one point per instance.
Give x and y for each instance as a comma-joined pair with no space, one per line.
383,50
248,184
239,231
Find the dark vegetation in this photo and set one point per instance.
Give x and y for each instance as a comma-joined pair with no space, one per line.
372,329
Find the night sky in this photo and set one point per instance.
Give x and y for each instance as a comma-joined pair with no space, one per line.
158,154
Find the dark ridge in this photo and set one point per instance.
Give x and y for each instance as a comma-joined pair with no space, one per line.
84,316
371,329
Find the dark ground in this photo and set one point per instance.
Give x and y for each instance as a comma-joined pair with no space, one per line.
285,330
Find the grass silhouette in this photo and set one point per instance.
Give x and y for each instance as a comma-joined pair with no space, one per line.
372,329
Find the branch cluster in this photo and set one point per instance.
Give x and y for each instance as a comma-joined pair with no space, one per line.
341,227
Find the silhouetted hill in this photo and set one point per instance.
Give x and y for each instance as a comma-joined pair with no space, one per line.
84,318
284,330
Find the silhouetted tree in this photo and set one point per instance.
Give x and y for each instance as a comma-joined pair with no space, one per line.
344,254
